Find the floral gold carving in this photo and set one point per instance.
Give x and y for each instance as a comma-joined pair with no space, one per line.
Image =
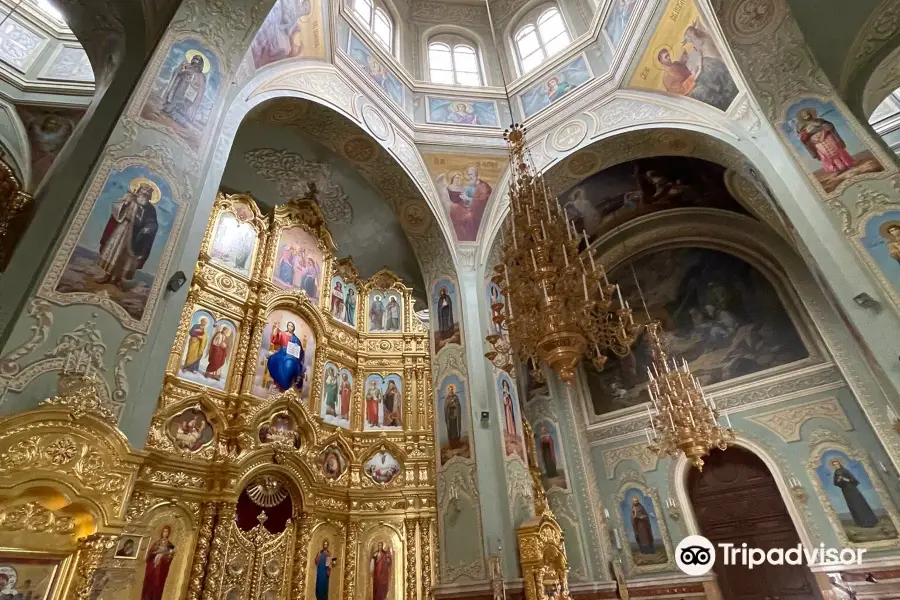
34,518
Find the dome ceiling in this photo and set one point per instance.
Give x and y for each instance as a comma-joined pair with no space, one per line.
273,160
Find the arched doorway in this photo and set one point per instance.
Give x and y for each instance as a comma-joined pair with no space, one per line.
737,501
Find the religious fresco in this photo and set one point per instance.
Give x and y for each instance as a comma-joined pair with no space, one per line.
513,442
548,445
292,29
385,311
617,20
382,467
533,388
826,145
298,262
344,300
458,111
445,319
683,58
124,240
128,547
337,392
280,430
233,244
28,578
190,430
718,313
555,86
636,188
286,355
376,70
207,354
881,241
495,296
383,402
854,499
465,183
453,419
184,93
644,539
48,131
332,463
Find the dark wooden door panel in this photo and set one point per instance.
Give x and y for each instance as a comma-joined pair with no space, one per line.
737,501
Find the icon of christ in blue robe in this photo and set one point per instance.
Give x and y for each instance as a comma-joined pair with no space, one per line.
323,571
286,365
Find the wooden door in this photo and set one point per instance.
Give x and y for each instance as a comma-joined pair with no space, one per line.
736,500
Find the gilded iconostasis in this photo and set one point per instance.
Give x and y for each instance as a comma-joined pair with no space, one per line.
291,452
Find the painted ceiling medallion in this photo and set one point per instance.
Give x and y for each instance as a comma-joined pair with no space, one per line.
376,123
569,135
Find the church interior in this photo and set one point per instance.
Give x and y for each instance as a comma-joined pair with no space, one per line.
449,299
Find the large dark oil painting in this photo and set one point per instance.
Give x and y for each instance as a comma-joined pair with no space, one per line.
635,188
718,313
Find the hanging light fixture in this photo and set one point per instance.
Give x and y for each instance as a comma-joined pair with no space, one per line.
557,306
682,418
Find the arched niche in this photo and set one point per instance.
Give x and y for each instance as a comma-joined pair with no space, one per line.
740,243
670,132
305,89
680,468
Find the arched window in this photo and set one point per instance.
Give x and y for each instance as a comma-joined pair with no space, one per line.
541,34
454,60
377,18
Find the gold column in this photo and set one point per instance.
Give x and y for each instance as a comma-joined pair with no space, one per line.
350,561
301,556
216,567
412,592
201,552
427,549
90,552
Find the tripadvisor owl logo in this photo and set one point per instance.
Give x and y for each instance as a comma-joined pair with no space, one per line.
695,555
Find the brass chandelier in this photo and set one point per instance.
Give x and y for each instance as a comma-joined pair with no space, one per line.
682,418
556,306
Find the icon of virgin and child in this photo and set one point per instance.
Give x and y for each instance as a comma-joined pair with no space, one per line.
467,195
284,365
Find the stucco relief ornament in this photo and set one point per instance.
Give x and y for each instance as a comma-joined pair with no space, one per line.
291,173
375,122
79,393
569,135
751,19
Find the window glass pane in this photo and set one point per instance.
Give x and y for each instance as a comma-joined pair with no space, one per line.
382,27
441,76
532,60
557,44
363,8
465,59
439,57
551,25
527,41
472,79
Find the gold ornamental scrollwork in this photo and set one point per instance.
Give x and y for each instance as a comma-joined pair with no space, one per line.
34,518
91,551
79,393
